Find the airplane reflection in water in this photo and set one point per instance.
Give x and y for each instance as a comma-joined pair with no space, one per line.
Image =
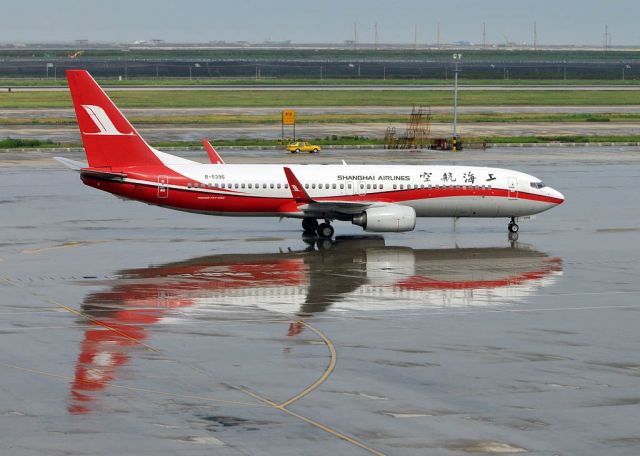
348,274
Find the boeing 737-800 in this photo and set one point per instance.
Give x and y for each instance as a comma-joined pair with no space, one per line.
379,198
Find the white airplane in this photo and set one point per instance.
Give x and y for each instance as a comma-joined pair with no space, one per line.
379,198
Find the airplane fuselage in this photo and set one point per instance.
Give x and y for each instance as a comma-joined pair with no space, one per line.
262,190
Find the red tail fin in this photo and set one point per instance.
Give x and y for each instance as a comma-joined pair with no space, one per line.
108,137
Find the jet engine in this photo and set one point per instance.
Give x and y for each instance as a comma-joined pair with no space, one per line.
389,218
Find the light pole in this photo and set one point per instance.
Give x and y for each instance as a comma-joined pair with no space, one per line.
628,67
454,140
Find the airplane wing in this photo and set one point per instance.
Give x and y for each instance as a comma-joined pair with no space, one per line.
312,206
211,152
297,190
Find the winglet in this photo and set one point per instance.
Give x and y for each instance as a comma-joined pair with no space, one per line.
211,152
297,190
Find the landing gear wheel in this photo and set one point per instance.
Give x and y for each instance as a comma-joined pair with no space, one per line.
309,225
325,231
513,227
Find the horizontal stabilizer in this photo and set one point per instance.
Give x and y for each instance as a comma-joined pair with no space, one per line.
102,175
71,164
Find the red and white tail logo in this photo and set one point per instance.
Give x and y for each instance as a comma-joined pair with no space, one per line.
108,137
102,121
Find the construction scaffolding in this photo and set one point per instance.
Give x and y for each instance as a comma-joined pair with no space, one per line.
417,135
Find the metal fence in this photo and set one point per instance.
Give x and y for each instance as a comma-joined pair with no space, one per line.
383,70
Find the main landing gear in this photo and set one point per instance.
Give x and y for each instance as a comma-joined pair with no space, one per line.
309,225
323,230
513,226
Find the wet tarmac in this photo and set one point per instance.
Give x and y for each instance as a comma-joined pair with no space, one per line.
129,329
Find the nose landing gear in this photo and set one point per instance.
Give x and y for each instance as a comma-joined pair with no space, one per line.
513,226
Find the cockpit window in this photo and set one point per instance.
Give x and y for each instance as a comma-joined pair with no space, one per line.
537,184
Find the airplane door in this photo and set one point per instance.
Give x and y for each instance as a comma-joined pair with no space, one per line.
350,188
512,188
163,186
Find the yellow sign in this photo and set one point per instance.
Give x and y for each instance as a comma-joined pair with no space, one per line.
288,117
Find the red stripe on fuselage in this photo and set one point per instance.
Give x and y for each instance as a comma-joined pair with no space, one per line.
218,200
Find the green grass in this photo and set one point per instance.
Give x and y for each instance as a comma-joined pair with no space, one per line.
11,143
284,98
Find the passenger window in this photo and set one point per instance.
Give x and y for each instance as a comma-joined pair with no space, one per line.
395,186
264,185
368,186
401,186
375,186
242,185
380,186
313,185
326,186
286,185
249,185
235,185
349,186
279,186
342,186
306,186
333,186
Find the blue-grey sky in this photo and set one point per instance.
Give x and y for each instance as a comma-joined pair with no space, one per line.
325,21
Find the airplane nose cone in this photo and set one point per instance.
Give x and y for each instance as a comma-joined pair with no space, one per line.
556,195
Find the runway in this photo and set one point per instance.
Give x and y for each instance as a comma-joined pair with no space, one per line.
128,328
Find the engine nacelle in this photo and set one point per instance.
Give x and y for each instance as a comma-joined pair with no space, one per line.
390,218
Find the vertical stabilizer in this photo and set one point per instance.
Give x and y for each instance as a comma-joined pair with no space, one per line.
109,139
